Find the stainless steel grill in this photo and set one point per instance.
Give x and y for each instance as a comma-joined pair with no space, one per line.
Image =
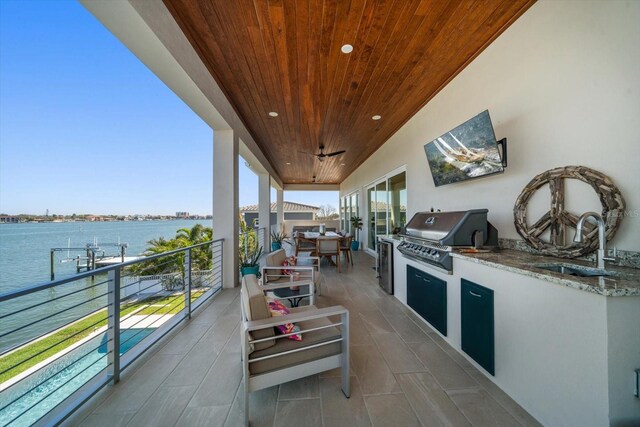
430,237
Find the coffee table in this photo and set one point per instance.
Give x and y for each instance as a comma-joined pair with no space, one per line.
294,296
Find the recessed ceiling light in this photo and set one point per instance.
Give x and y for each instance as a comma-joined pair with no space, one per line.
347,48
273,114
376,117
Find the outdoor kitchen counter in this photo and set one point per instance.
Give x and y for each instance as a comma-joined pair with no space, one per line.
626,282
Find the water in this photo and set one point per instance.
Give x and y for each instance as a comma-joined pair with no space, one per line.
24,248
24,261
34,397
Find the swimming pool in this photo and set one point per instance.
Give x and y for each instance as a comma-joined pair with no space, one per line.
27,401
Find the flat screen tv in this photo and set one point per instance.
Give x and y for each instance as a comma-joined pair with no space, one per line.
469,151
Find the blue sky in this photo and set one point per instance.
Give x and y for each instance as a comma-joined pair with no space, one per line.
85,127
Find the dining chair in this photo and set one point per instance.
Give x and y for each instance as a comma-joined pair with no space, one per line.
345,247
304,245
329,247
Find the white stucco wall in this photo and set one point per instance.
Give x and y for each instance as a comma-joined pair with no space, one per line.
563,85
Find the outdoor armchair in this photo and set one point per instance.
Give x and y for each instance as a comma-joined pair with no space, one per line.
273,271
269,359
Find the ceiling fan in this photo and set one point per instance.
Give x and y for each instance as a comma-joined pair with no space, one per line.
321,155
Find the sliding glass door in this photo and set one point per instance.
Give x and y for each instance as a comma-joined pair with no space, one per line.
397,210
378,203
386,207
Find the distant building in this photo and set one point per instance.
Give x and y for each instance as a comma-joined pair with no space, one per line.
292,211
182,214
8,219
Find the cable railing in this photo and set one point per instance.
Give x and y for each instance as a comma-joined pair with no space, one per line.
63,340
251,240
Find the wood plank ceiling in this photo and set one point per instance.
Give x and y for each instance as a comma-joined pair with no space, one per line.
285,56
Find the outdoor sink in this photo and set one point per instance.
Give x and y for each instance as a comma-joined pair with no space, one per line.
574,270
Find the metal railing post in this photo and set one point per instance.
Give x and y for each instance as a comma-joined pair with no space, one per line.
187,278
51,264
213,265
246,244
113,330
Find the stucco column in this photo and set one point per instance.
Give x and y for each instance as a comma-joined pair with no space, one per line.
225,202
264,207
280,209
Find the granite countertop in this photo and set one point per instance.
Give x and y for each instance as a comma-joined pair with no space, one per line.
626,281
390,237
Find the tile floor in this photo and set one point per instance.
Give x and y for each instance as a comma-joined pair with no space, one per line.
403,373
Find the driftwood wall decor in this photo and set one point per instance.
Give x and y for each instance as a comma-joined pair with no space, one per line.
557,219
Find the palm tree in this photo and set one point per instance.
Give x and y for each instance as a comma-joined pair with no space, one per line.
197,234
158,266
201,257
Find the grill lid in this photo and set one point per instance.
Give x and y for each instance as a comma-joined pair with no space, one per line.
448,228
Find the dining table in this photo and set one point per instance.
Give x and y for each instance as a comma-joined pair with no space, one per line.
314,235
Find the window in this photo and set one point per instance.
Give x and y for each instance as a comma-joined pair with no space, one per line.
348,209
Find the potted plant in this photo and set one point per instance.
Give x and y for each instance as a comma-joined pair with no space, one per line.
356,226
277,239
249,261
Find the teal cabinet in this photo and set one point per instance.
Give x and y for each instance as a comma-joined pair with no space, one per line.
477,324
427,295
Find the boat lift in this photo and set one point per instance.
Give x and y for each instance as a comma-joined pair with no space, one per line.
93,257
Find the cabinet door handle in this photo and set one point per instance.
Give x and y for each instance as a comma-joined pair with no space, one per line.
475,295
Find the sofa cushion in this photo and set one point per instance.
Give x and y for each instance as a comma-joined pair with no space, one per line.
275,259
256,308
309,339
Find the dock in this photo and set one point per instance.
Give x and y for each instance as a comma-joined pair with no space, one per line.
115,260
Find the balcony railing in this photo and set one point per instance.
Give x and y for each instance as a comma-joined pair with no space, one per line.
62,341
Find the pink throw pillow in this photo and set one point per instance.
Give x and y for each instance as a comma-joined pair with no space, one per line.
278,309
291,261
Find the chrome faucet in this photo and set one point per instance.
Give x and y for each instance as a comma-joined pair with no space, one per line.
601,236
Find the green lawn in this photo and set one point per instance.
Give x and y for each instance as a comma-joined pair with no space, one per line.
73,333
